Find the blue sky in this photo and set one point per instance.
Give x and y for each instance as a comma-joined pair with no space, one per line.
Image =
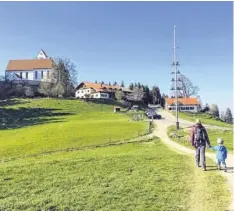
132,41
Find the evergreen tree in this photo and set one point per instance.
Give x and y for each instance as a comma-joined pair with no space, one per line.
214,109
156,95
228,116
131,86
115,83
122,84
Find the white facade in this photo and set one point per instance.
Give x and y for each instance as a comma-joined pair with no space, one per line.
100,95
81,93
185,108
90,93
36,75
42,55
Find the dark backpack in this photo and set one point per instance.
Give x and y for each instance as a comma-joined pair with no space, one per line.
200,135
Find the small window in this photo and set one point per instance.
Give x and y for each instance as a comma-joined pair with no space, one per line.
21,75
96,95
82,92
26,75
42,74
78,92
35,74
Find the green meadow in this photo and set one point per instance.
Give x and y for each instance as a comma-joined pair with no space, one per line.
39,172
42,125
205,119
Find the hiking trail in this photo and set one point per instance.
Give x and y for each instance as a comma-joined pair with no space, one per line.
161,131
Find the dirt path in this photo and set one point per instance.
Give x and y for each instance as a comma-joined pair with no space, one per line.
161,132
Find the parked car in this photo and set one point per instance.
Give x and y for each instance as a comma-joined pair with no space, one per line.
155,116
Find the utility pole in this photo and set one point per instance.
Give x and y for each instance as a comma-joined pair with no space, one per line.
175,63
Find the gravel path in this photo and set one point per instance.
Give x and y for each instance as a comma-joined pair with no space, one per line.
161,132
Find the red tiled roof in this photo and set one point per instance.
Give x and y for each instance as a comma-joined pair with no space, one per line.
29,64
184,101
102,87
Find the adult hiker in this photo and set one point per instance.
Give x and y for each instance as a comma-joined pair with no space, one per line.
199,139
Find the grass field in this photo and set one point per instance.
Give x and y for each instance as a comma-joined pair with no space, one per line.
213,134
136,176
37,126
143,176
205,118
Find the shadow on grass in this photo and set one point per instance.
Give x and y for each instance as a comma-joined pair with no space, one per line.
11,102
23,117
212,169
230,170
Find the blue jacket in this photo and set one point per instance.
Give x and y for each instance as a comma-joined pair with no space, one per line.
221,152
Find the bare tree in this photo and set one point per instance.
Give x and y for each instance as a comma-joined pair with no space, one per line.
62,79
29,91
187,87
136,95
119,95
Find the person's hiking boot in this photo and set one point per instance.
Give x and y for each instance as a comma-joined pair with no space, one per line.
198,166
203,169
219,168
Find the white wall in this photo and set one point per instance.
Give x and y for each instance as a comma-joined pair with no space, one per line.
31,74
40,73
100,95
41,55
183,108
81,92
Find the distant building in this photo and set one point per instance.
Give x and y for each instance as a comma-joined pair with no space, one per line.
184,104
98,90
30,70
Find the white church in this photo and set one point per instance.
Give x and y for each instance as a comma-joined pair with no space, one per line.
30,70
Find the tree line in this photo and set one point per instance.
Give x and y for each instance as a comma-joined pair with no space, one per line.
142,93
213,110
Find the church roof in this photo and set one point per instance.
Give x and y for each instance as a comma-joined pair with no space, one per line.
29,64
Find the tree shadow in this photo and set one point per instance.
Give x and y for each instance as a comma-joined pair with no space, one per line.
230,170
11,102
23,117
212,169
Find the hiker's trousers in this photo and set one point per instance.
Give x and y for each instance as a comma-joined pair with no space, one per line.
200,156
221,162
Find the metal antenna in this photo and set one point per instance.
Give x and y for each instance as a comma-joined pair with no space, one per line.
175,63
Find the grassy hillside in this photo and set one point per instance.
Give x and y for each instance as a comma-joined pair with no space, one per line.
205,118
128,177
136,176
42,125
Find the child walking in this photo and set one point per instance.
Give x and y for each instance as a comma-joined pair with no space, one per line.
221,154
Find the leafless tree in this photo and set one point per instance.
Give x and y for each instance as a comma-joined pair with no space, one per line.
187,87
136,95
62,79
119,95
